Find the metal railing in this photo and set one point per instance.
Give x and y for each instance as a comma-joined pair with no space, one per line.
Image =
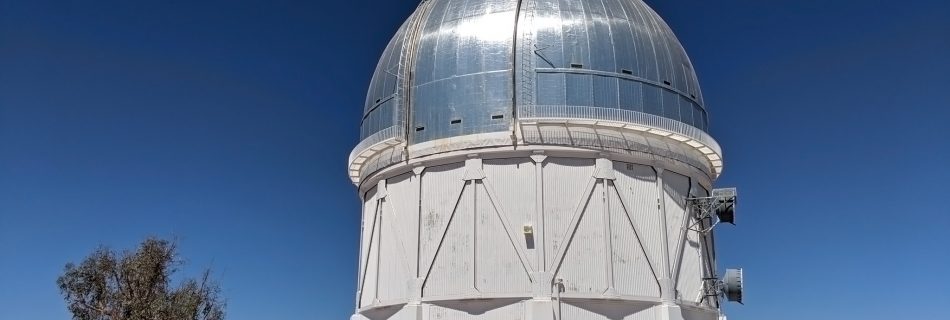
394,132
619,115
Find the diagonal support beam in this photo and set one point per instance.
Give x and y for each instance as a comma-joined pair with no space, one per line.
637,233
445,231
681,244
369,250
503,217
572,226
397,232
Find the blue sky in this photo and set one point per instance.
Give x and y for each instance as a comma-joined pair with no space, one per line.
227,125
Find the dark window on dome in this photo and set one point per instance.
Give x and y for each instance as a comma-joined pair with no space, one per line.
455,121
626,71
420,128
498,116
666,82
577,65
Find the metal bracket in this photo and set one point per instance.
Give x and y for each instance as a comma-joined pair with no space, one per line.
712,288
730,287
720,206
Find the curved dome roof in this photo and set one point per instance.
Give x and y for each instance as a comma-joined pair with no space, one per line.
466,67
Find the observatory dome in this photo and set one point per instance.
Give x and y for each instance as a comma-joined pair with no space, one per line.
463,74
538,159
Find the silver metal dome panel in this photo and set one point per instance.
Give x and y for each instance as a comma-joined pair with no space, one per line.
477,69
458,65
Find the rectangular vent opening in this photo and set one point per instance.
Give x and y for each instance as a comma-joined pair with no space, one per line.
456,121
498,116
666,82
577,65
377,100
625,71
420,128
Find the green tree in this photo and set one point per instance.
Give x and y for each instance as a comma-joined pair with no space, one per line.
136,285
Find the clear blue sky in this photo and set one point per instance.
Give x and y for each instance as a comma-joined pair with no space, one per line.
227,125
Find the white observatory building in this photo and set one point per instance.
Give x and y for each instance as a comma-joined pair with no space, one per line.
538,160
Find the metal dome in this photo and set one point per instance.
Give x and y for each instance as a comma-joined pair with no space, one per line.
484,69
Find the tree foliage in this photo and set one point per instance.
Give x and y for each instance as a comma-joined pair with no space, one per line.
137,285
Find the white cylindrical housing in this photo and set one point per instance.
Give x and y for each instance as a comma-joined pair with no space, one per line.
486,235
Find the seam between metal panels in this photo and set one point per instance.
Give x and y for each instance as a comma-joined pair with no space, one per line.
376,106
409,61
648,39
514,71
453,77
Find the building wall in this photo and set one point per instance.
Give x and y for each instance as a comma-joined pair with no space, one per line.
478,239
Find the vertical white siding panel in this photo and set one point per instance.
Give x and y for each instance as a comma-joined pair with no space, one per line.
498,268
394,265
675,190
514,183
371,254
692,268
405,204
369,213
584,268
441,186
453,269
690,282
637,185
564,179
632,274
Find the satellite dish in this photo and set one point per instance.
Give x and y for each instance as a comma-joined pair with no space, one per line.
727,210
732,285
